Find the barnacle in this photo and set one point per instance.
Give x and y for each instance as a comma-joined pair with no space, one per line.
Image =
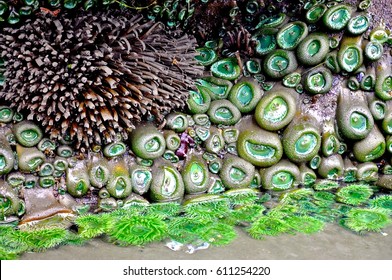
91,77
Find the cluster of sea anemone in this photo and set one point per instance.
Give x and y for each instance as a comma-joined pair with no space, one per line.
126,137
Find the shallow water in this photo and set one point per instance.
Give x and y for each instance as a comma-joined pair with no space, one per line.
332,243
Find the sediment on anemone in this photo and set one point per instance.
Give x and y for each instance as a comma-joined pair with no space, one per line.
98,83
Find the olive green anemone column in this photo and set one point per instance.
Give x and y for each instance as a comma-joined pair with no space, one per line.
216,87
386,124
177,122
206,56
358,24
274,21
370,148
167,183
369,79
377,107
373,50
7,158
9,201
6,114
173,141
315,13
16,179
337,17
313,49
332,63
329,140
223,112
291,34
350,171
199,100
253,66
383,86
281,176
279,63
388,143
385,181
119,184
367,172
98,170
29,159
331,167
245,94
350,54
317,80
259,147
27,133
380,34
276,108
226,68
353,116
293,79
236,172
215,142
302,139
195,175
307,176
46,145
141,178
114,149
147,142
77,179
265,39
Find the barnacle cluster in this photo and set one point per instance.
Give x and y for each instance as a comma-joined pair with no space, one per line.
293,110
91,77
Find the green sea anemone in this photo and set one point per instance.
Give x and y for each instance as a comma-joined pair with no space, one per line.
259,147
360,220
241,196
331,167
164,210
354,194
42,239
324,196
236,172
90,226
276,109
137,230
267,226
185,229
207,207
323,185
382,202
280,177
246,214
304,224
353,116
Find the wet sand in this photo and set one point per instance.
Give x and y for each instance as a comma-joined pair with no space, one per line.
334,243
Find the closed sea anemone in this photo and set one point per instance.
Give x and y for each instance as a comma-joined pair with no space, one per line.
92,77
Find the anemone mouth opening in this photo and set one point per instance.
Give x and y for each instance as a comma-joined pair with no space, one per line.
276,110
282,180
259,150
306,144
359,122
